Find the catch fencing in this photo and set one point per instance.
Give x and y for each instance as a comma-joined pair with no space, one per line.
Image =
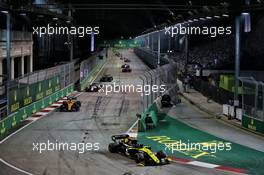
252,104
252,98
150,57
90,67
163,76
35,86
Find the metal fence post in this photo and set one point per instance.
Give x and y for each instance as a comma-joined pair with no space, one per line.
143,90
143,95
256,97
151,84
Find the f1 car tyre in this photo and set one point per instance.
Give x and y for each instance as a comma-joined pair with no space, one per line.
78,103
161,155
64,106
113,147
139,158
75,107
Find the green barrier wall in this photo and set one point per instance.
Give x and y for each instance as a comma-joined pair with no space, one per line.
154,114
21,114
85,82
25,95
253,124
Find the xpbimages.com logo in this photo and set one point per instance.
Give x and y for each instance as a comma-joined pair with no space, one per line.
61,30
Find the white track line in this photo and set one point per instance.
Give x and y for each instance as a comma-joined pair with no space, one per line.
202,164
16,168
79,94
2,141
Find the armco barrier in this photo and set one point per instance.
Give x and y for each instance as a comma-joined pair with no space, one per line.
21,114
91,75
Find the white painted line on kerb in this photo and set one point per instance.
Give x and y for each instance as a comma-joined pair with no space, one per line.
56,104
31,118
16,168
49,109
202,164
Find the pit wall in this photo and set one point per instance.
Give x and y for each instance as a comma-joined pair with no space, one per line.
21,114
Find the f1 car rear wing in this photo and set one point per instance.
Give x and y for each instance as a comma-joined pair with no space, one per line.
119,137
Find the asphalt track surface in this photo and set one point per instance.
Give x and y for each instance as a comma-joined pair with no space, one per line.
100,117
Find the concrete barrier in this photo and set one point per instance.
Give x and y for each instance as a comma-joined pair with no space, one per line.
19,116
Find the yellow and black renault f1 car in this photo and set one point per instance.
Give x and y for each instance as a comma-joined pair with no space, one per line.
142,154
70,105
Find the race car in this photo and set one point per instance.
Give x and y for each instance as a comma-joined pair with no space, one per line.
93,87
106,78
126,60
70,105
166,101
140,153
127,69
125,66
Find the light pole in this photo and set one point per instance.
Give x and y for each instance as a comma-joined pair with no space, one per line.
237,58
186,53
8,61
158,49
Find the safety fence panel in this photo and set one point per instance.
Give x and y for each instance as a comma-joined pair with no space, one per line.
252,104
165,77
150,58
21,114
34,86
